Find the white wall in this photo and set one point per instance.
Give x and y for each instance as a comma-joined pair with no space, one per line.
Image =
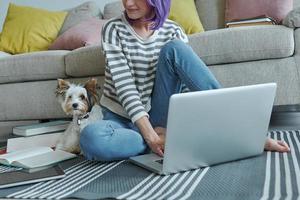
47,4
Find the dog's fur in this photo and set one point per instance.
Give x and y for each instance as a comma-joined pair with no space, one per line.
76,100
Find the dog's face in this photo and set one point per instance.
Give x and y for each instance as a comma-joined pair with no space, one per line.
77,99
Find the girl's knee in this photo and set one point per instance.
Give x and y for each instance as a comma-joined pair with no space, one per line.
173,45
95,146
94,137
102,142
90,133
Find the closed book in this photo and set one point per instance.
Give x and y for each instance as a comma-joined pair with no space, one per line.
249,24
36,169
41,128
16,178
260,20
20,143
35,157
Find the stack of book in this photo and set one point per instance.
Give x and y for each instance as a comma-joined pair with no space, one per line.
259,20
41,134
41,128
35,158
33,155
32,165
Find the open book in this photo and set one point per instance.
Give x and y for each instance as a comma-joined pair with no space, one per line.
21,143
35,157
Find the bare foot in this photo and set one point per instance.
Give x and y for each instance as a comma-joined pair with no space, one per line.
276,145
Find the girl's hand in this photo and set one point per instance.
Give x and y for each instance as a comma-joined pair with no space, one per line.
154,138
161,132
156,144
275,145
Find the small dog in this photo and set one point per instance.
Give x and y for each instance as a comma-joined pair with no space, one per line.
80,101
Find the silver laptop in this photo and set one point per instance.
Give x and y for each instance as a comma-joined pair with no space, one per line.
215,126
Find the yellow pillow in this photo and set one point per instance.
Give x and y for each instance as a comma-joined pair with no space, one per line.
184,12
29,29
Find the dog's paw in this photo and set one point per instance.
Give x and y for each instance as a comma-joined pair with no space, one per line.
76,150
73,149
59,146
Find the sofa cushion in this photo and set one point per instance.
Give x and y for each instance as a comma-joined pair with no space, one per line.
242,9
80,13
85,61
43,65
296,3
292,20
185,14
29,29
112,9
243,44
284,72
211,13
86,33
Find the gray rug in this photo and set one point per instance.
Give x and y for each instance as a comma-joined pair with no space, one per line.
269,176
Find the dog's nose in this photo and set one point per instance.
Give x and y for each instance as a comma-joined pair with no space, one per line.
75,105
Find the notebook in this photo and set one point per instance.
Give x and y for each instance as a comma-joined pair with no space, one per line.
16,178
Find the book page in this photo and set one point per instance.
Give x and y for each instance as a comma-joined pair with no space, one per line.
21,154
45,159
20,143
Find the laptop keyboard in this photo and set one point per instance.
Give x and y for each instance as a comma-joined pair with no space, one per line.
161,161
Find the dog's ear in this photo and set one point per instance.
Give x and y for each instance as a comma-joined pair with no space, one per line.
62,87
92,88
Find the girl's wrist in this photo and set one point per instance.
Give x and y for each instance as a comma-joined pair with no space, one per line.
146,129
150,137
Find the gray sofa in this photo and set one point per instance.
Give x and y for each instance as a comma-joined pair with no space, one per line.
237,56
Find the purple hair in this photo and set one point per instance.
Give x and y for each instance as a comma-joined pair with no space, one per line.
161,9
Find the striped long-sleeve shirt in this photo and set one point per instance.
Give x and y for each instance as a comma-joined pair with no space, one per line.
131,65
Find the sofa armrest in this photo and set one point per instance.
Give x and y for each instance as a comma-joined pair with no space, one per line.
243,44
85,61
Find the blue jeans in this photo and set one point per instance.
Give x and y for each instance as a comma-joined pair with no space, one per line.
116,137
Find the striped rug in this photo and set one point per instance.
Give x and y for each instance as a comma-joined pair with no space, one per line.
269,176
4,169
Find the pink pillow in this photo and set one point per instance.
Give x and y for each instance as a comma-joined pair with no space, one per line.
242,9
83,34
